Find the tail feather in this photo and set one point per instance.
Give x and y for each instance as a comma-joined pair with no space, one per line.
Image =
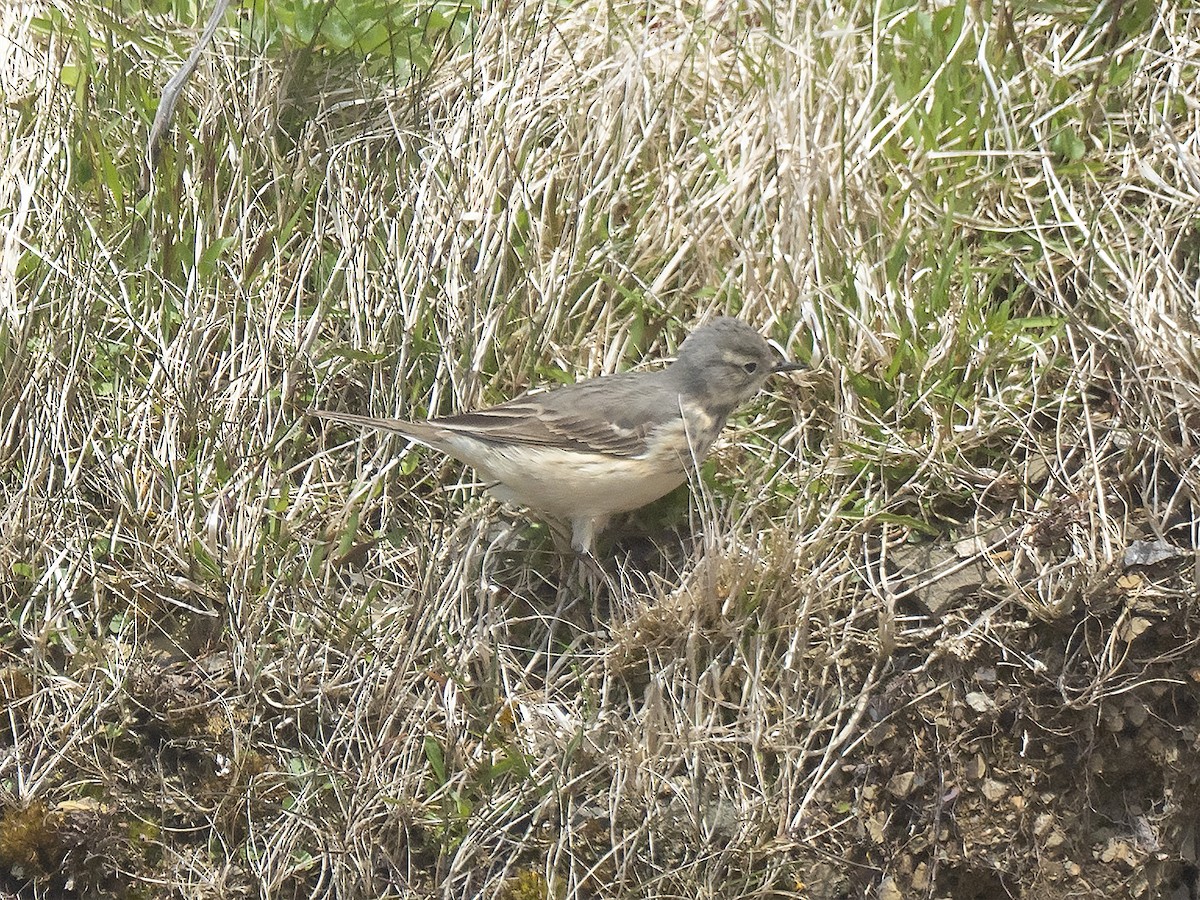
416,431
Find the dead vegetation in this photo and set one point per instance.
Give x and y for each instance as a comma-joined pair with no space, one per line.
927,626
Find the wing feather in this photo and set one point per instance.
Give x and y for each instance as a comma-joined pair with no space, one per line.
616,416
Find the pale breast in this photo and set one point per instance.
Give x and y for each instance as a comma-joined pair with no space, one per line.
569,483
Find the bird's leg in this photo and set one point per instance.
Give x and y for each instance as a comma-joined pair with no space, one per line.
583,534
591,573
585,569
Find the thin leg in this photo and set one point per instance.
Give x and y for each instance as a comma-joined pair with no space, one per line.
590,572
583,535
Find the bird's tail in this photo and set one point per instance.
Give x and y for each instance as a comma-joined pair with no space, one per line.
416,431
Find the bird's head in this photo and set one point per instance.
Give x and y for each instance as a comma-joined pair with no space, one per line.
727,362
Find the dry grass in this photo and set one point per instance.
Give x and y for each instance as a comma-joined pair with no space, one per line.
892,645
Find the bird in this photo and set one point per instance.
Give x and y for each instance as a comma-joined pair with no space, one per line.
584,452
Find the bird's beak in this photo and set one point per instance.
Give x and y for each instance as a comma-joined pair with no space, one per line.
785,366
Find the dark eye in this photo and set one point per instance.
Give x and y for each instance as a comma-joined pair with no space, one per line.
751,368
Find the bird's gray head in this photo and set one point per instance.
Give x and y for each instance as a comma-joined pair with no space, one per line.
726,362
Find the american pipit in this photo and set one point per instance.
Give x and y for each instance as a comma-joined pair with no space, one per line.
583,452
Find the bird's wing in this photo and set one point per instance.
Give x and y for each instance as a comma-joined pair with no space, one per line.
529,423
616,416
